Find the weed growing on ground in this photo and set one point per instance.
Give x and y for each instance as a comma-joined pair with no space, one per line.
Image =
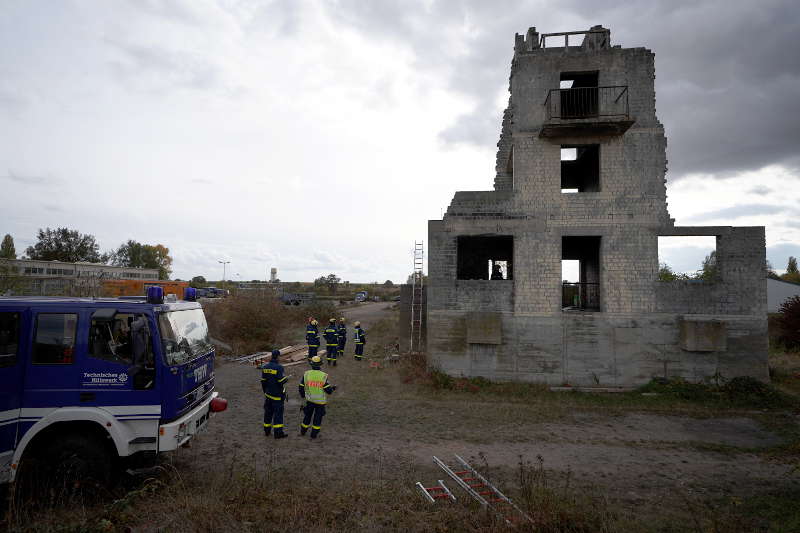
555,506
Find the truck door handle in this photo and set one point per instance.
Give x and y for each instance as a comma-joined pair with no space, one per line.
87,396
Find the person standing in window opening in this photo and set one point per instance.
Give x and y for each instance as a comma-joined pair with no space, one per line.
360,338
496,272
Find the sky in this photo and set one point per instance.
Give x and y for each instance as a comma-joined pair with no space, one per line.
320,136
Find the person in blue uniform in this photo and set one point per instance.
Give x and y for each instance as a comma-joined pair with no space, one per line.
273,383
331,335
360,338
342,332
312,337
314,387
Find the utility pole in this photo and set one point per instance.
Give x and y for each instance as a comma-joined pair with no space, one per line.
223,271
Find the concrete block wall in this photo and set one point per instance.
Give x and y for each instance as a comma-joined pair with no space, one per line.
636,334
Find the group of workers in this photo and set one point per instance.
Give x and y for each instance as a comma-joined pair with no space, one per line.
314,386
335,339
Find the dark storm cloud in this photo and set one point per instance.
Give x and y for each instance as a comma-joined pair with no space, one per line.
740,211
728,74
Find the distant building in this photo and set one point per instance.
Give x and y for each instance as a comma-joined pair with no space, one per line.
59,278
273,275
778,291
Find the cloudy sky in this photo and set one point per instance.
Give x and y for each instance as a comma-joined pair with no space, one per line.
320,136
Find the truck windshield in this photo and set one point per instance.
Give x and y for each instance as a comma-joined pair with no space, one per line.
184,335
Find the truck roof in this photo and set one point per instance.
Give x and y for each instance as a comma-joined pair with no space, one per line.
95,302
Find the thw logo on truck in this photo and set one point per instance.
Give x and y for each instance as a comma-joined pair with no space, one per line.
200,373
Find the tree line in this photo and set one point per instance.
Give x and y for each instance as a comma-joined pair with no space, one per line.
708,271
72,246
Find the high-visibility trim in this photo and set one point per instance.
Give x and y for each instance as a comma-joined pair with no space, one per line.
315,381
316,427
278,426
302,385
304,426
267,425
276,398
359,356
357,342
283,379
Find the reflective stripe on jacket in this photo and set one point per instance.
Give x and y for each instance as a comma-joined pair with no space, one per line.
272,381
331,336
312,335
360,336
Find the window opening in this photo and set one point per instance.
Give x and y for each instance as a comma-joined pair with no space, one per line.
580,168
9,339
485,257
689,258
578,94
54,342
580,272
124,338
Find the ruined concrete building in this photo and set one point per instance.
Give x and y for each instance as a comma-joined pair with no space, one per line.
497,306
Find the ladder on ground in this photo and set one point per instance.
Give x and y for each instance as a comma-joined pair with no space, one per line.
483,492
437,492
417,304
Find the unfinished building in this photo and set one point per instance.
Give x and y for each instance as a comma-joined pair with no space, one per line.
496,303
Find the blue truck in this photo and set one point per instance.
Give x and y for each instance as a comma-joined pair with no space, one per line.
87,382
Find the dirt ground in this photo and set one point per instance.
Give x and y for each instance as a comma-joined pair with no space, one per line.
642,461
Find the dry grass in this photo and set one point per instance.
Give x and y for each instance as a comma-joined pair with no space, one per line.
320,488
275,494
253,323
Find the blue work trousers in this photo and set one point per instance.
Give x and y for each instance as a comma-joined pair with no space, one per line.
273,416
332,354
312,416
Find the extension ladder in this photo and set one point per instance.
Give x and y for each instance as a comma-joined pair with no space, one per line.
417,304
482,491
437,492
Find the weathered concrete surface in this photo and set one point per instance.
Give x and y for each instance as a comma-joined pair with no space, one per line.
637,332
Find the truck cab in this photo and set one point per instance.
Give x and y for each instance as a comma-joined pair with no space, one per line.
101,379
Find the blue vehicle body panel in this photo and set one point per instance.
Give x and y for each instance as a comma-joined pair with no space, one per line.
28,389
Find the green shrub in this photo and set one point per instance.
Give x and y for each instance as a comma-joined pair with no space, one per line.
742,391
788,323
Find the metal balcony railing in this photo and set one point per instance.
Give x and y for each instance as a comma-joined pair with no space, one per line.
587,102
580,296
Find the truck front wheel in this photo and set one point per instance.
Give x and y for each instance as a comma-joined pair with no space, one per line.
81,463
67,466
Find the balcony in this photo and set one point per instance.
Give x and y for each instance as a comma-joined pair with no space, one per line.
586,111
580,296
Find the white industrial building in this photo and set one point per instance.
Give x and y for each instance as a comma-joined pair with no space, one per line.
778,291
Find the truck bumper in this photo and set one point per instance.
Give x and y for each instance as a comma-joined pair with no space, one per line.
180,431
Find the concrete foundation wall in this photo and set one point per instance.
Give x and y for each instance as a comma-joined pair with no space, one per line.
595,349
